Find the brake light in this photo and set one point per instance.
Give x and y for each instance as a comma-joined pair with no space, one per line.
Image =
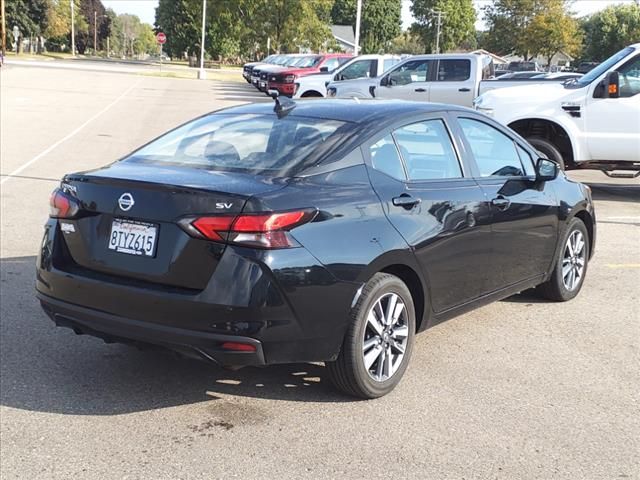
62,205
238,347
263,230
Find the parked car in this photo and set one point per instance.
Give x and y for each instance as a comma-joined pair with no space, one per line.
447,78
519,75
284,80
588,122
314,231
524,67
280,61
585,67
248,67
293,61
363,66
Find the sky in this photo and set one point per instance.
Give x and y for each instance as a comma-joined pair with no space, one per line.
146,9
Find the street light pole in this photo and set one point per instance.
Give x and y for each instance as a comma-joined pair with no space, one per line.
439,13
356,49
202,74
73,31
95,32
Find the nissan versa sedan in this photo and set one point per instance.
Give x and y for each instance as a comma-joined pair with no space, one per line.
313,231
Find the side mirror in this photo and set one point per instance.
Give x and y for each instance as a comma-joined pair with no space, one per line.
609,87
324,69
546,170
384,81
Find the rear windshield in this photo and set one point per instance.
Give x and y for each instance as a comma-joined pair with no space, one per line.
250,143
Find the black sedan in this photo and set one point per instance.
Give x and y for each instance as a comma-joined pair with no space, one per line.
313,231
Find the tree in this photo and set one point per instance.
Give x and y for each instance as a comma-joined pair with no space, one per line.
552,31
30,16
508,22
407,42
180,21
610,30
458,23
381,21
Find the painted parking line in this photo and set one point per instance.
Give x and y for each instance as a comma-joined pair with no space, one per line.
68,136
623,265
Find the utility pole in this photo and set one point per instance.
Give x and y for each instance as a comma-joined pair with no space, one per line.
356,49
95,32
202,74
440,14
73,31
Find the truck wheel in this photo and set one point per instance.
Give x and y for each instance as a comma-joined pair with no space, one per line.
311,94
571,264
547,148
378,344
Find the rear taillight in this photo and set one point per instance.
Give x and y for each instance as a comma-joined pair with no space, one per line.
263,230
62,205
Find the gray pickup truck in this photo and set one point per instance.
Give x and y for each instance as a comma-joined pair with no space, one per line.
447,78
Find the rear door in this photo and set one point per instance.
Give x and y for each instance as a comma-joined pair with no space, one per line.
417,172
524,213
408,81
454,83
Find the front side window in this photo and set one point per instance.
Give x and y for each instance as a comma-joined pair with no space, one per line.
494,152
427,151
385,158
410,72
630,78
248,143
454,70
359,69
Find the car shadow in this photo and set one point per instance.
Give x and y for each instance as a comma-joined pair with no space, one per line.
528,297
49,369
615,192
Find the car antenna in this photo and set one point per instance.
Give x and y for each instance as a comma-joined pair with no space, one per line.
284,105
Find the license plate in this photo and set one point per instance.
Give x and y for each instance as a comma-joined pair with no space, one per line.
263,85
133,238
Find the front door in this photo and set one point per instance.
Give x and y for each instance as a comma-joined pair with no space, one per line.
613,124
408,81
440,212
524,213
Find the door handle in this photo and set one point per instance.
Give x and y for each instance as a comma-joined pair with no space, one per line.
501,203
420,90
406,201
464,89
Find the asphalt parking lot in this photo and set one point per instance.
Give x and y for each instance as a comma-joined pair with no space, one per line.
520,389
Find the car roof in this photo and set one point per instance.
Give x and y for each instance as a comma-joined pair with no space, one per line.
348,110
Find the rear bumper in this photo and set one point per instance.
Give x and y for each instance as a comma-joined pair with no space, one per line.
274,299
113,328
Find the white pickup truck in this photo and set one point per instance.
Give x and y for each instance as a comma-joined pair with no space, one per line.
446,78
592,122
363,66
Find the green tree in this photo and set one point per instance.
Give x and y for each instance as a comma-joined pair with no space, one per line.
180,21
30,16
458,23
407,42
610,30
552,31
381,21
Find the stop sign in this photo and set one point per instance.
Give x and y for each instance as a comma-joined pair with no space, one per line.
161,38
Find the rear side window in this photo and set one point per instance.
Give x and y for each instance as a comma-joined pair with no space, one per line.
385,158
454,70
427,151
494,152
248,143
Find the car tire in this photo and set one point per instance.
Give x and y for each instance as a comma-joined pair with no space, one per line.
548,149
354,372
559,287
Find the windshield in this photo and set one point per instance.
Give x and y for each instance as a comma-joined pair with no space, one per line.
307,62
247,143
602,68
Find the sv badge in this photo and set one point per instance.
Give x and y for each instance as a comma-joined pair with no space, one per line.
224,205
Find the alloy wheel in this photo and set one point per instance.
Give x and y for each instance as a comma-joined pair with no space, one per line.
573,260
385,337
